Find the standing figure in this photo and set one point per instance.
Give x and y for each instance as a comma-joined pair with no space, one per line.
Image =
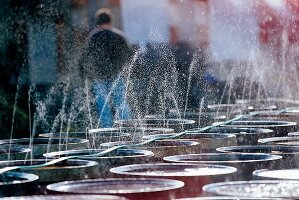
102,63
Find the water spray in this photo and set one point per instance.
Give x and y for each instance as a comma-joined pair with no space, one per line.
109,150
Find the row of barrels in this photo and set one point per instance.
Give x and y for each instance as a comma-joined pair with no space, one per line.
245,157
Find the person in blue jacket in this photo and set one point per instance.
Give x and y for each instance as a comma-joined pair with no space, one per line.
104,58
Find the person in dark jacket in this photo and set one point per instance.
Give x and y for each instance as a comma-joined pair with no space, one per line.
104,58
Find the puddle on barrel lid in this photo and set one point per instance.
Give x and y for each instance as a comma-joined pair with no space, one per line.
173,170
116,186
291,174
261,188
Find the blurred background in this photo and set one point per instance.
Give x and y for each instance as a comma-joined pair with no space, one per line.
222,51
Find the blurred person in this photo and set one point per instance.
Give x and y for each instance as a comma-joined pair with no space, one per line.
102,63
270,32
188,37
